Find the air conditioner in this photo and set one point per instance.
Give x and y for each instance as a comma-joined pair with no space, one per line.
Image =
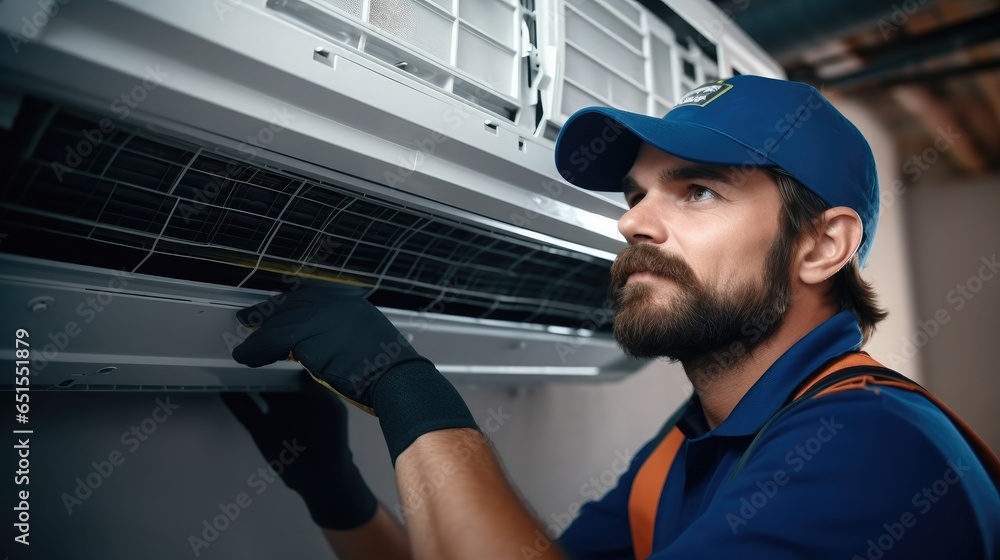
167,163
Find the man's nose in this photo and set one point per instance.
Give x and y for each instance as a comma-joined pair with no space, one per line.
643,223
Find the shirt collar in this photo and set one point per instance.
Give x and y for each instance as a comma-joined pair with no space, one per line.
835,336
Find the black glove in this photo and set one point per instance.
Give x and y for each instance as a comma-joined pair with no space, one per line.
346,344
307,433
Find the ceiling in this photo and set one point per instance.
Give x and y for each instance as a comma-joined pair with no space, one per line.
926,68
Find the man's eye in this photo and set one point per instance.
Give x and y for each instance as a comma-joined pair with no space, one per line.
701,193
633,200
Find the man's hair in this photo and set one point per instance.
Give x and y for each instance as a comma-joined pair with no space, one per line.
850,290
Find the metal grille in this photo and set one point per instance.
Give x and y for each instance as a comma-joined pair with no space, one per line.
441,42
415,23
620,54
155,205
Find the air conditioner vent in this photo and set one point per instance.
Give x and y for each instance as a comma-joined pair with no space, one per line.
152,204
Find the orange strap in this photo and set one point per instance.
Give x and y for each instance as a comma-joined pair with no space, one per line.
843,362
646,489
983,451
644,497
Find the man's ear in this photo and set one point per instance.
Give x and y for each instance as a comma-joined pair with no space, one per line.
835,240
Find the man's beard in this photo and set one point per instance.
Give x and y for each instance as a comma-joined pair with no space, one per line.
700,327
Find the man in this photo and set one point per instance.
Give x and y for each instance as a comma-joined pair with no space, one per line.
752,205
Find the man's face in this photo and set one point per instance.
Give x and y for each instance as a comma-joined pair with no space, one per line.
704,274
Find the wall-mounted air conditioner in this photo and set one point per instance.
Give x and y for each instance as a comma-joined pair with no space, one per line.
169,162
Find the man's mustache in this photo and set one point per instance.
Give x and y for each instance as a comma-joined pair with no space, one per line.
646,258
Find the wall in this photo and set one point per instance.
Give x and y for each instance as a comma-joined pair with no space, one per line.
956,238
889,262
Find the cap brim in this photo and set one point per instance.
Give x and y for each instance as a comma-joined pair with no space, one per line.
598,145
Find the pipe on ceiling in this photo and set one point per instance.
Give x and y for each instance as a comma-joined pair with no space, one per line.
782,27
906,55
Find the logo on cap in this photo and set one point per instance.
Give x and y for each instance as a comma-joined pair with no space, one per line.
705,94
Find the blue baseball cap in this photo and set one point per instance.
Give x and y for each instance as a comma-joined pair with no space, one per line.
740,121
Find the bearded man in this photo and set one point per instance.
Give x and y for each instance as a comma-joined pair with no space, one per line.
753,205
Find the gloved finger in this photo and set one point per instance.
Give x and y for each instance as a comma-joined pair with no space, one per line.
266,311
275,340
325,294
257,314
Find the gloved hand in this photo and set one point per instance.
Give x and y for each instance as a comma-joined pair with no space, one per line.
346,344
313,425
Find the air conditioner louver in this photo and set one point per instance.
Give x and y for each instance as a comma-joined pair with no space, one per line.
155,205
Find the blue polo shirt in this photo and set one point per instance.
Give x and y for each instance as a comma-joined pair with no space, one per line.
871,474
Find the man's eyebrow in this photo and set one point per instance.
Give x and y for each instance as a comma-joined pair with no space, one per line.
705,172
